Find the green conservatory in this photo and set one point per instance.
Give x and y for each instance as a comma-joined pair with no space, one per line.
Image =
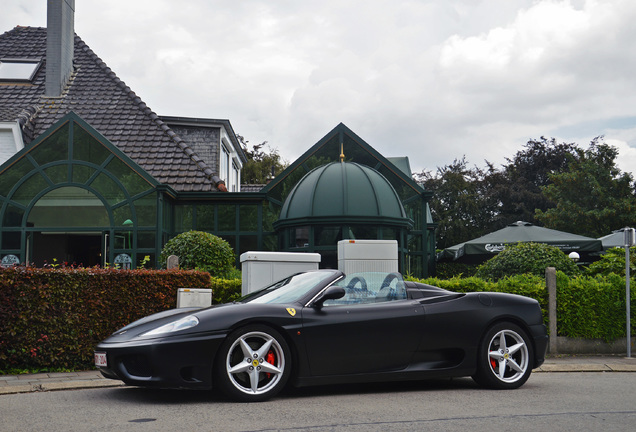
72,196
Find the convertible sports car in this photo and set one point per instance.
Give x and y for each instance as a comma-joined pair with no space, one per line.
323,327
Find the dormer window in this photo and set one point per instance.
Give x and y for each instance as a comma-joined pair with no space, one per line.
18,69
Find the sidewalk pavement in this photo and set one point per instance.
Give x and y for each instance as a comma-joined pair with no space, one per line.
26,383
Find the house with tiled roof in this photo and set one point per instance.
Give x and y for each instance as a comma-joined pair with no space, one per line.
91,90
90,175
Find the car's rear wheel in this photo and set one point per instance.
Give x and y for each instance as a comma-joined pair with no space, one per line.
505,357
253,364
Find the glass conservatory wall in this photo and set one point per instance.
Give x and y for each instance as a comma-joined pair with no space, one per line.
72,187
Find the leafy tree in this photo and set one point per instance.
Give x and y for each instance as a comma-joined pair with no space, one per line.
460,204
524,258
518,186
202,251
263,162
592,196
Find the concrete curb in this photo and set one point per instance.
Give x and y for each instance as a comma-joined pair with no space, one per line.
586,367
28,383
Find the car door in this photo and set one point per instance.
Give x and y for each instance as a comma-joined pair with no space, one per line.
363,337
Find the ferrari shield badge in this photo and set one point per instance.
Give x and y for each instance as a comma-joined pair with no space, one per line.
291,311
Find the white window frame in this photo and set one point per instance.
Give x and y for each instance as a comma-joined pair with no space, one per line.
11,128
229,164
236,176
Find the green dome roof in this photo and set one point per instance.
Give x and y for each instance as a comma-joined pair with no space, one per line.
343,192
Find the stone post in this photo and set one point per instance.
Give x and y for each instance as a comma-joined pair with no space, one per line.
550,282
172,262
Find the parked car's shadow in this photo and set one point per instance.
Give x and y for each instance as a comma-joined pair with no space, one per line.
389,387
171,396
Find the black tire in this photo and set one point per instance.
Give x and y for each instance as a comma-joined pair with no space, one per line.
253,364
505,357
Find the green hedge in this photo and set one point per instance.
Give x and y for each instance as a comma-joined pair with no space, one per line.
594,307
53,318
225,290
526,285
589,307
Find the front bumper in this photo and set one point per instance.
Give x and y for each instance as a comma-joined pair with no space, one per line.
167,362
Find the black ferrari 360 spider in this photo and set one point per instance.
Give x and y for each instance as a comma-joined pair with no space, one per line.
323,327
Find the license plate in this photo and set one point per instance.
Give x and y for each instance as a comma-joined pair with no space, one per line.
100,359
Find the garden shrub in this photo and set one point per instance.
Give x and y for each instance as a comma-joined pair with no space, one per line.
202,251
532,258
613,262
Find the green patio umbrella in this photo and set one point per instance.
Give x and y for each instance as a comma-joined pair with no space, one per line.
483,248
615,239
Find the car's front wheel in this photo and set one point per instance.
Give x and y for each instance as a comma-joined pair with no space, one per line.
505,357
253,364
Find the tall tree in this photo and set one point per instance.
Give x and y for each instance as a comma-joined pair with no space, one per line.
459,204
263,162
592,197
518,186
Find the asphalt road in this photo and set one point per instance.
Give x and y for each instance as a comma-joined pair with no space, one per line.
549,401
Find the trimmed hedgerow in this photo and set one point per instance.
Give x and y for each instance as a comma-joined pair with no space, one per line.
588,307
450,269
526,285
593,307
53,318
225,290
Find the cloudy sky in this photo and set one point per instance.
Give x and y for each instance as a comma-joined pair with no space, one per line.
433,80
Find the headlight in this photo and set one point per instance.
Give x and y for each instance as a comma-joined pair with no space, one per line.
178,325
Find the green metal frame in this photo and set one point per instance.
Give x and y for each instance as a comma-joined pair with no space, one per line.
25,169
39,173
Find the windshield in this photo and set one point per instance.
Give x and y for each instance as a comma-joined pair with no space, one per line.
370,287
289,289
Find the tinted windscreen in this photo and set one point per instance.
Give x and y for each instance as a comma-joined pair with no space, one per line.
290,289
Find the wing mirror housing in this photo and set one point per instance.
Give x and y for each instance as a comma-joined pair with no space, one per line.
331,293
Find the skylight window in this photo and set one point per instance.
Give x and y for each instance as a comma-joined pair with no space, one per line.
18,69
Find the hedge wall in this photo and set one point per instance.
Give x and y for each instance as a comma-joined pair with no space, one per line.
526,285
594,307
53,318
587,307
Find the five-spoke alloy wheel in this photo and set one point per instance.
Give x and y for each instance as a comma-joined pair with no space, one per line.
505,357
253,364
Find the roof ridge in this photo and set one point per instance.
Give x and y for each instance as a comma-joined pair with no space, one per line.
187,150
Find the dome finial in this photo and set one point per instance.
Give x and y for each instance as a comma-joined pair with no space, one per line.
342,156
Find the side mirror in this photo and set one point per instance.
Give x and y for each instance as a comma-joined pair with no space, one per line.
331,293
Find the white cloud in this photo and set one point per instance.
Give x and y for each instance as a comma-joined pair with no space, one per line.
430,79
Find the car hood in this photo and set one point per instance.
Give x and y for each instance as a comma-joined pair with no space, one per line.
214,319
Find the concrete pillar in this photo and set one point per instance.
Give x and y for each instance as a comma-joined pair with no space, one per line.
550,282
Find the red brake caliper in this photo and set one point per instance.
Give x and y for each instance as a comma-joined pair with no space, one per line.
271,359
493,363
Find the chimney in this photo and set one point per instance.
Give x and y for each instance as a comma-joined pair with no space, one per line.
60,39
